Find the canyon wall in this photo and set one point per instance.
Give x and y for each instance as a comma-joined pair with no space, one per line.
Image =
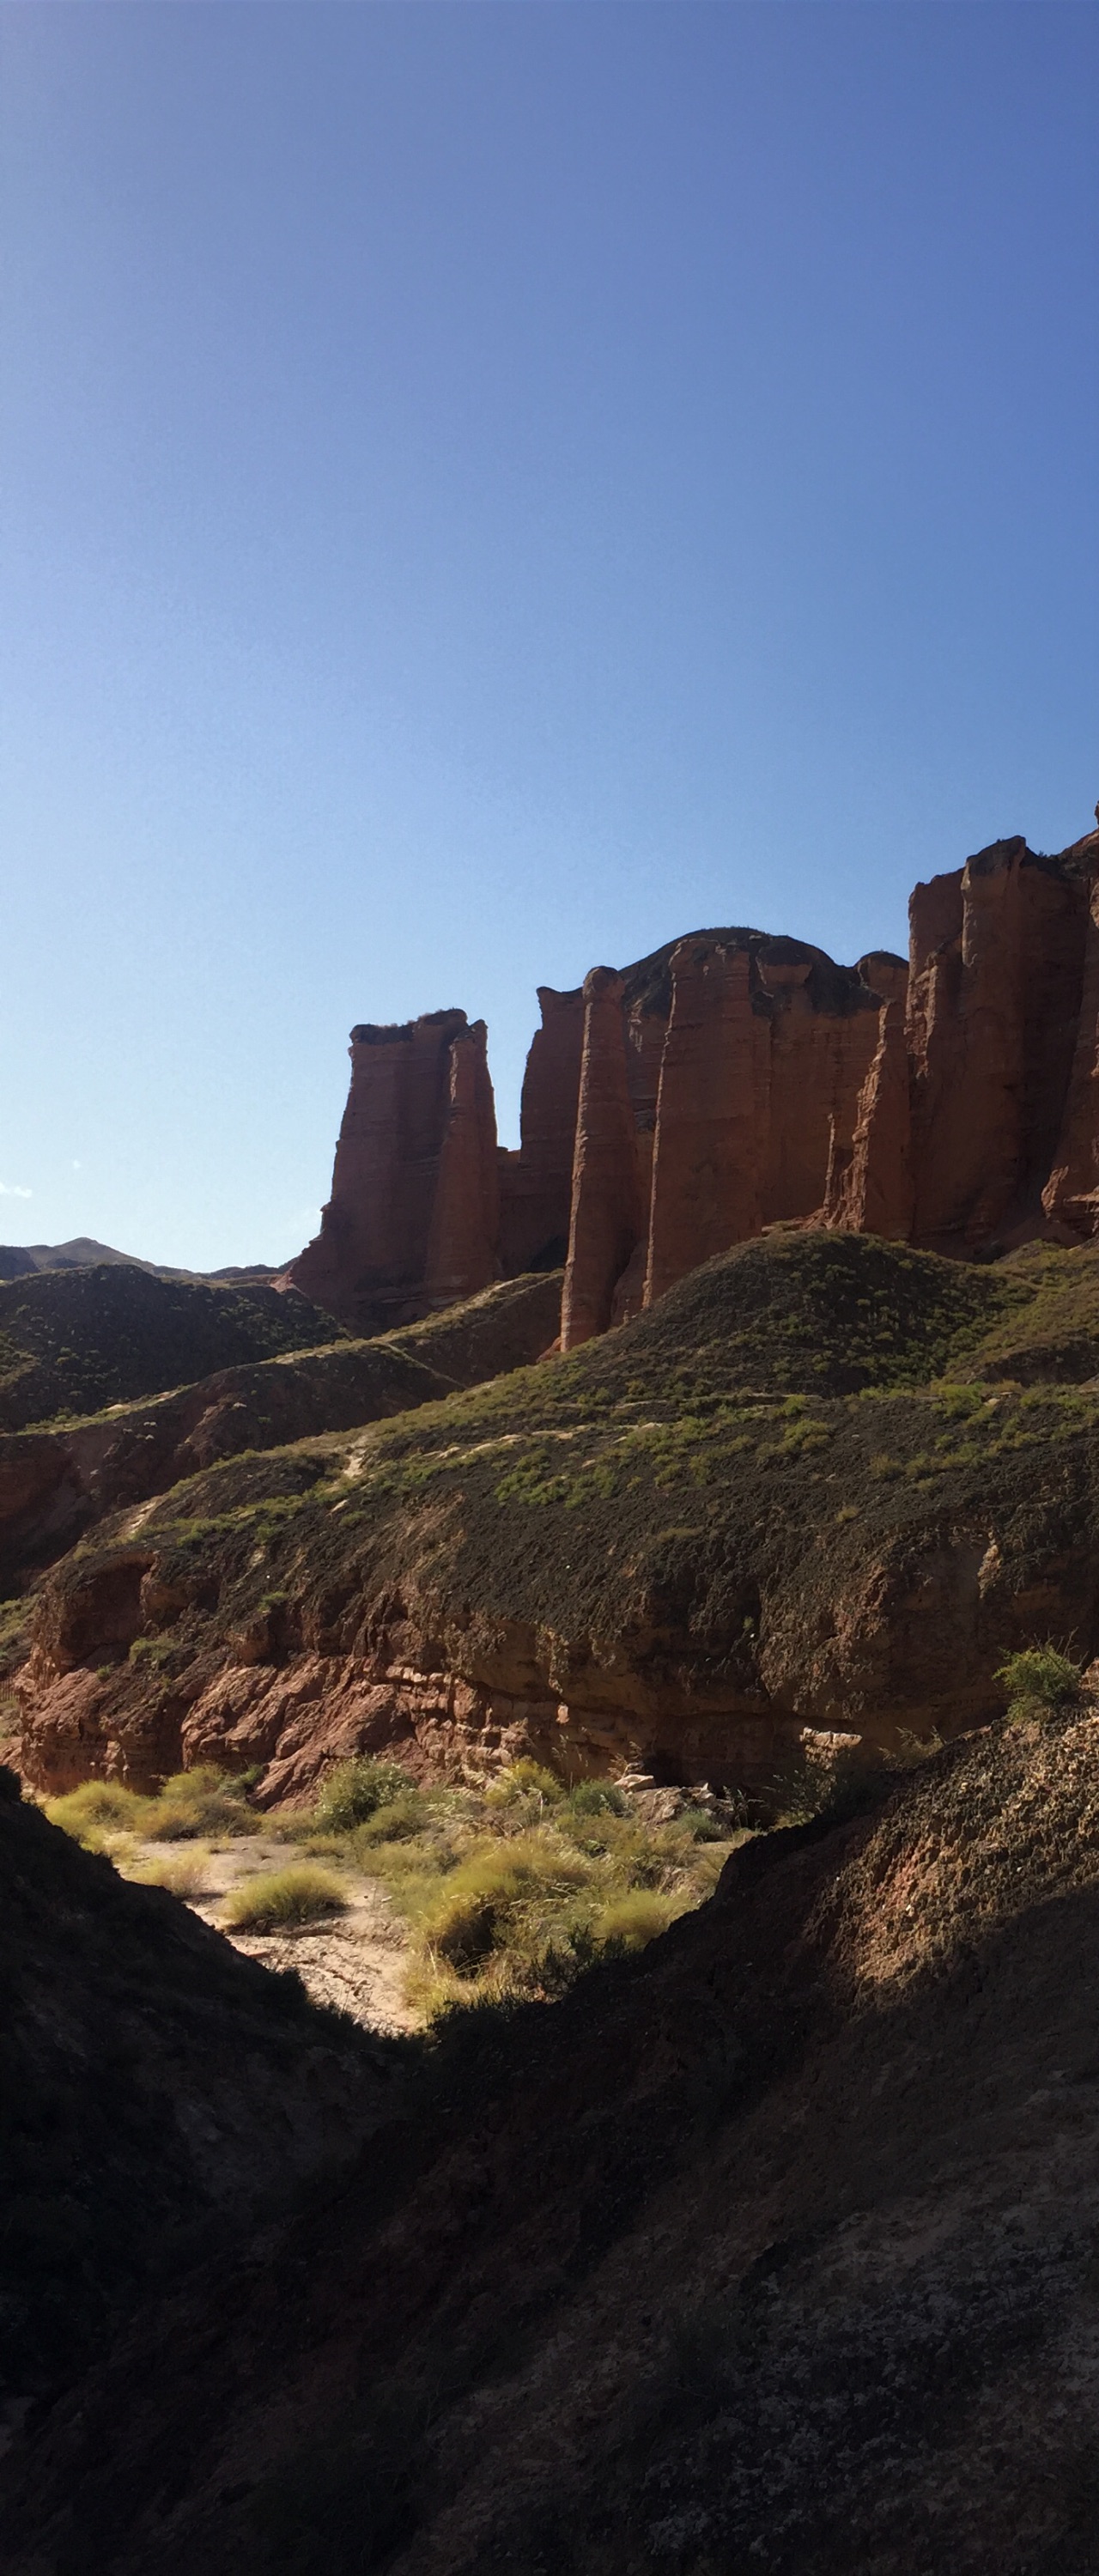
733,1081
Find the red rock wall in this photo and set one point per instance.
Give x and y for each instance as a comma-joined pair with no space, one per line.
870,1185
732,1081
462,1254
608,1208
994,1000
712,1116
536,1182
368,1264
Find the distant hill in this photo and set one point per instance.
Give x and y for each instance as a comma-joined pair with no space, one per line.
76,1339
23,1260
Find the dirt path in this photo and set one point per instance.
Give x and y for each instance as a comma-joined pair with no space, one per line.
352,1961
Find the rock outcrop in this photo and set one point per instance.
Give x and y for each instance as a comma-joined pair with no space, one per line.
536,1182
733,1081
607,1199
412,1217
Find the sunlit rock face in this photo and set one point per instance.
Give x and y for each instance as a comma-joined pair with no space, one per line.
729,1082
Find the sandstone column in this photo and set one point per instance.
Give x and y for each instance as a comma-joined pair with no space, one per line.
710,1118
993,1005
1071,1194
536,1183
465,1216
607,1218
367,1264
871,1190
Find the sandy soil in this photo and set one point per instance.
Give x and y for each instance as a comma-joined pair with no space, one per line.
352,1961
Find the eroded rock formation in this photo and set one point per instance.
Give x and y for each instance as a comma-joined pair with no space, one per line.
412,1218
733,1081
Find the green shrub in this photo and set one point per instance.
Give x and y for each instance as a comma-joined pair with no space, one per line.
498,1898
355,1790
202,1801
1039,1677
96,1811
703,1825
524,1781
597,1798
396,1823
279,1901
629,1921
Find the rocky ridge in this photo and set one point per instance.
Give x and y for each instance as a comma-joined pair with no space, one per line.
824,1482
56,1481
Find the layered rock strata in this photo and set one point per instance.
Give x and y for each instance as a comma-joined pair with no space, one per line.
733,1081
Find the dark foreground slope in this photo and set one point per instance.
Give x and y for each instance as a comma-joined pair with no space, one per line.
826,1481
152,2082
772,2249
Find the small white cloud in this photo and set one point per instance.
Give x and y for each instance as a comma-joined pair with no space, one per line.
5,1193
78,1167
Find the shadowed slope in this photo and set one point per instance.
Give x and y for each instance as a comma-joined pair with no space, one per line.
150,2078
771,2248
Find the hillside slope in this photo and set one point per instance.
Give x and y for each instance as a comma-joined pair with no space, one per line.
73,1340
809,1487
773,2248
56,1481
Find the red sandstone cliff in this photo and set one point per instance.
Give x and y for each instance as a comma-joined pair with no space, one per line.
536,1182
729,1082
608,1208
412,1220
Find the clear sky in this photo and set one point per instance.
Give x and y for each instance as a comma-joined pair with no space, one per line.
488,487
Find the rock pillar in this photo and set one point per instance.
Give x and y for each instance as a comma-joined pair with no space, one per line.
1071,1195
997,963
367,1265
536,1183
607,1218
711,1116
870,1190
465,1215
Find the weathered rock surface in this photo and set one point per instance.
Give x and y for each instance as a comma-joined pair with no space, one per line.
994,1003
733,1081
869,1187
419,1120
607,1194
536,1182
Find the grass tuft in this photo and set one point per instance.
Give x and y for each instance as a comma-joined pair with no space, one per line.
186,1877
632,1920
1039,1677
354,1791
203,1801
282,1900
97,1812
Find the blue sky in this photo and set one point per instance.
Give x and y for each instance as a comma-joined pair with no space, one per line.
488,488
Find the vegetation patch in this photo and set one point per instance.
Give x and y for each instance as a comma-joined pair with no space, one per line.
97,1812
354,1791
283,1899
188,1877
1038,1678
